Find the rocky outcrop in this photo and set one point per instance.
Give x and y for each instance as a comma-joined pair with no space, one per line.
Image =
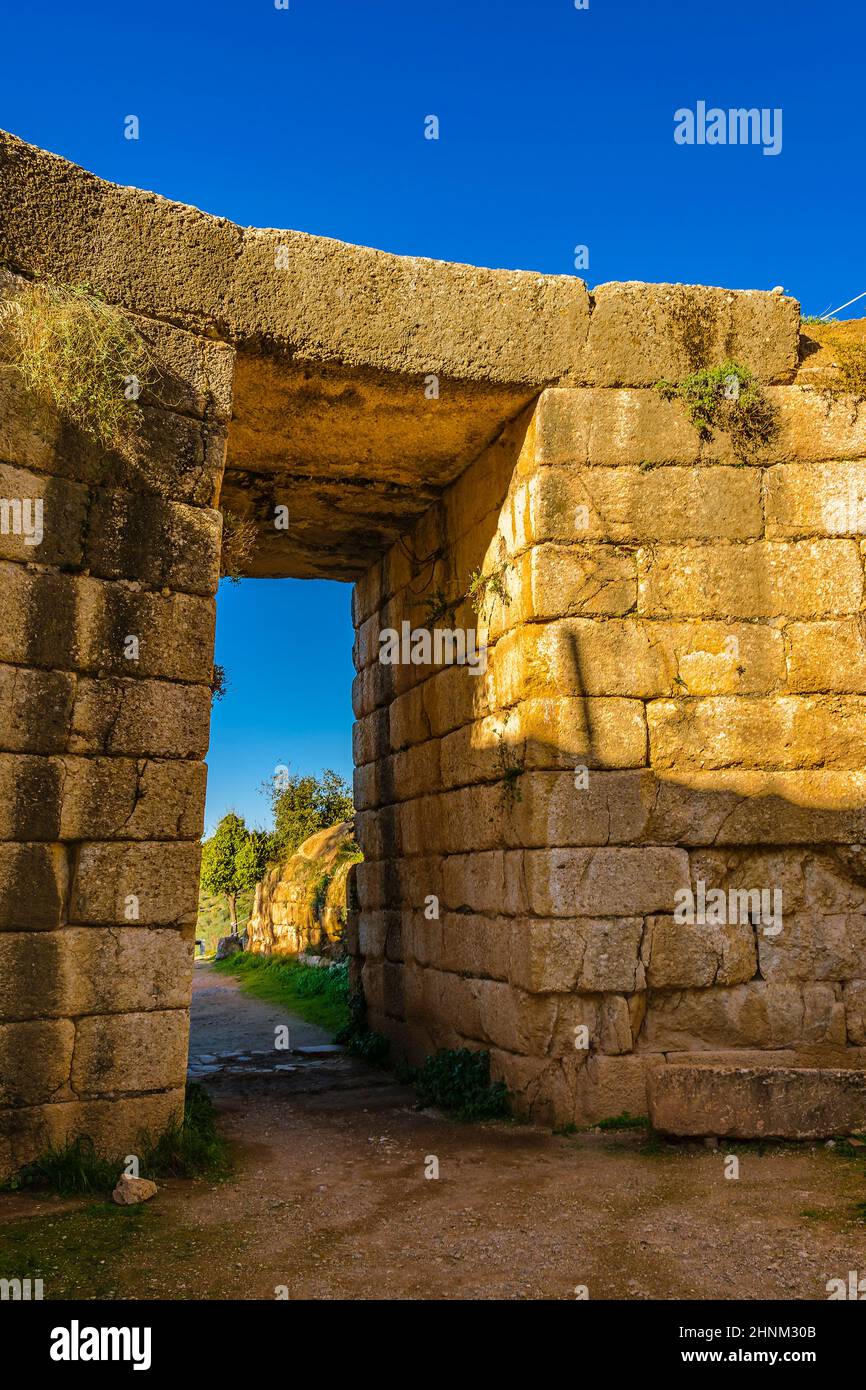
302,902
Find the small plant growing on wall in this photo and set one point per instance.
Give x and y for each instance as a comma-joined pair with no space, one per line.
511,768
727,398
238,545
76,354
438,607
219,683
485,589
851,362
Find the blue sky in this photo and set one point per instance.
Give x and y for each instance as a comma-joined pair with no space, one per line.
556,130
286,645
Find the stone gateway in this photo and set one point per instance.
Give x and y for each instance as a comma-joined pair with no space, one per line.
672,689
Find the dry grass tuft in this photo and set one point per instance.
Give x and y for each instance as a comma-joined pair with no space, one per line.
240,535
850,358
77,354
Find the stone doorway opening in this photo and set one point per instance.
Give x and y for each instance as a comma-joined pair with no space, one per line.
279,834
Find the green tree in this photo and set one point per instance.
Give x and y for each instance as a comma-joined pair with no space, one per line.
304,805
334,799
251,859
232,860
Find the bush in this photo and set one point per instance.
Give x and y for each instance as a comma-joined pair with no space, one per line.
728,398
459,1081
358,1038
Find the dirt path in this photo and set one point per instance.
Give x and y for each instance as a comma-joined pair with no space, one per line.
223,1019
330,1201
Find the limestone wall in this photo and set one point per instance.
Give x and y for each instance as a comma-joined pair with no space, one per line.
674,695
672,692
101,745
301,903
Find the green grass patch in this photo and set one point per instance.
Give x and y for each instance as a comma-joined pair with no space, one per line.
103,1251
194,1148
76,1254
458,1080
191,1148
624,1121
319,995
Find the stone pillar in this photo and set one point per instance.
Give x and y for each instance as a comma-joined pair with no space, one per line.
106,652
673,697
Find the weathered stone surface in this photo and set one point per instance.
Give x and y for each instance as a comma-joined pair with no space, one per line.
154,884
607,882
812,425
35,709
757,1014
507,1018
749,1102
682,956
31,975
42,518
589,955
641,333
631,658
92,970
621,428
130,1052
815,499
144,718
592,732
816,947
854,996
117,1126
759,579
33,886
792,731
827,656
641,504
72,798
161,454
153,541
55,620
556,580
34,1061
736,807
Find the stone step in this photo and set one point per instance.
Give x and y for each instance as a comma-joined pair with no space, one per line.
756,1102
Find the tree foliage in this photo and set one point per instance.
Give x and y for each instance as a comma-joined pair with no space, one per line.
230,861
304,805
